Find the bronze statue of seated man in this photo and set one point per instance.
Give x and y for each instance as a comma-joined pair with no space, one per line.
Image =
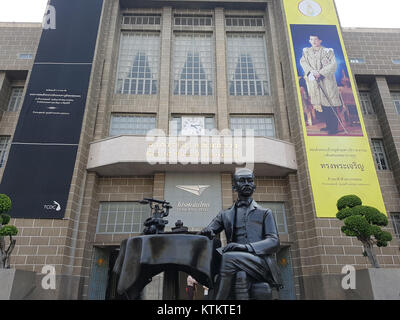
248,261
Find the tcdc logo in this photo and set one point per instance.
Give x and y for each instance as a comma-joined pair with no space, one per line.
55,206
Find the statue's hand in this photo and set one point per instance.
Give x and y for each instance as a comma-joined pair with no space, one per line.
234,247
208,233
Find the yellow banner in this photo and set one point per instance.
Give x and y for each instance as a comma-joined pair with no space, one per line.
340,161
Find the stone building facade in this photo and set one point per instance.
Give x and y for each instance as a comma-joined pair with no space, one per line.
111,173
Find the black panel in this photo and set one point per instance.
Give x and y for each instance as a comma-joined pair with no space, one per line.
43,154
54,104
37,176
74,38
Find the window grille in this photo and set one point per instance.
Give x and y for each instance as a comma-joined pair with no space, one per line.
122,217
245,21
138,68
193,64
141,19
247,65
366,104
25,56
396,223
131,124
278,209
396,101
189,20
357,60
379,154
15,99
262,126
4,148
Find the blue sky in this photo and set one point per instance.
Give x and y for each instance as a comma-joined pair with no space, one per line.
352,13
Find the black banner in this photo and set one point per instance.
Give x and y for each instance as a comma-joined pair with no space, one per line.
38,179
42,157
54,104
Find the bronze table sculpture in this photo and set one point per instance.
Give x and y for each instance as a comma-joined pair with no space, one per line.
248,261
142,257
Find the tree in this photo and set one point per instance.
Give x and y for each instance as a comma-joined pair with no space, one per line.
6,231
363,222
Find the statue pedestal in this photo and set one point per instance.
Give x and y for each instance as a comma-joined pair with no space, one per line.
377,284
16,284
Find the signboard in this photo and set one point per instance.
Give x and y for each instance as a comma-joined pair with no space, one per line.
195,197
339,157
42,157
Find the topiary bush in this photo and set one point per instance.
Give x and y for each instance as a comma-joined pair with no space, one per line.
6,231
5,203
349,201
363,222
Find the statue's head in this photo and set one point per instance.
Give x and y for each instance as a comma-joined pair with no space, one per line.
243,182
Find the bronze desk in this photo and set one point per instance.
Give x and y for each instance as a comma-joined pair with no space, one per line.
143,257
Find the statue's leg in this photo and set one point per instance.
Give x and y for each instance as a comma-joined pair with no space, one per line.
261,291
227,272
224,287
241,286
233,263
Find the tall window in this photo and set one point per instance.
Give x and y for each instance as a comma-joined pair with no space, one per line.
131,124
122,217
193,64
4,147
15,99
366,104
396,223
379,154
262,126
247,64
278,209
396,101
139,60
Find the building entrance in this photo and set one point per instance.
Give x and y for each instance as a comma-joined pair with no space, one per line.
285,265
103,282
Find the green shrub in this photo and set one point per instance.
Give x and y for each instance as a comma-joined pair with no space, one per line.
344,213
374,216
348,201
8,231
4,219
357,226
5,203
363,222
